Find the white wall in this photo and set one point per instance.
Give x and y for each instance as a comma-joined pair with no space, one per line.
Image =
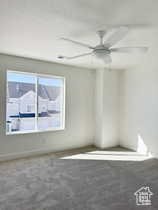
139,112
107,108
79,129
139,101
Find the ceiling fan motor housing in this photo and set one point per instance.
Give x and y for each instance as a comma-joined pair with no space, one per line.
100,51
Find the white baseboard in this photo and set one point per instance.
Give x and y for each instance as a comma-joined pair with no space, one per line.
154,155
132,147
12,156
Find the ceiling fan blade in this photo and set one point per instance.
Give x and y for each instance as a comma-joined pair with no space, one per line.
116,37
77,43
130,49
76,56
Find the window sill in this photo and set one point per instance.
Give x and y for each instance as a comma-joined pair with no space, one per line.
36,131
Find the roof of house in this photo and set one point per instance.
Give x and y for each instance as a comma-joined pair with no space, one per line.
144,190
18,89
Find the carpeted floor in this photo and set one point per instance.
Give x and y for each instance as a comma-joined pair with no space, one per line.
45,183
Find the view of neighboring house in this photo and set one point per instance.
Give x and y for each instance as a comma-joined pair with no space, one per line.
21,106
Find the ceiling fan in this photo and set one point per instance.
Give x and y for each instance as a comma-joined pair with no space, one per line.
104,49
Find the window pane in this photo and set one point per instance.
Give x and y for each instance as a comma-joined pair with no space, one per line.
21,100
50,103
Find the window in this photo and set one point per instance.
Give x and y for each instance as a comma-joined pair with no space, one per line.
34,102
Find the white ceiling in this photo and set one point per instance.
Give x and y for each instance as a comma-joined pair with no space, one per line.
32,28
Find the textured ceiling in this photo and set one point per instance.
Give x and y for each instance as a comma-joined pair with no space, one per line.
32,28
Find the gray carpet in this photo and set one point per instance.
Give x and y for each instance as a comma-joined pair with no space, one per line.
45,183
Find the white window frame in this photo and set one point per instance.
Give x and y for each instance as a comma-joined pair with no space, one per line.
36,103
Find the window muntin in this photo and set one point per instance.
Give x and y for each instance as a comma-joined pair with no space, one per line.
34,102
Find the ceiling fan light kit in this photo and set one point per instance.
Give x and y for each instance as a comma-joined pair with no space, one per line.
104,49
